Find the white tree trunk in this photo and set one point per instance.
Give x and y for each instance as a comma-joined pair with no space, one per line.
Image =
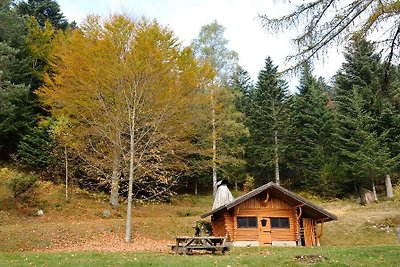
374,191
214,143
195,187
128,227
66,172
389,187
277,180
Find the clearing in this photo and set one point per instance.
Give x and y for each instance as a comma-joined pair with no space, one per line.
78,228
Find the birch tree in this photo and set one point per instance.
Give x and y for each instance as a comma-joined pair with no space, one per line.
211,47
161,82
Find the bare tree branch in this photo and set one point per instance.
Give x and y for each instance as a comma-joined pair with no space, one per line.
324,23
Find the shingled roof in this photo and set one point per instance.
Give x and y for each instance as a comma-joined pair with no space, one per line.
291,198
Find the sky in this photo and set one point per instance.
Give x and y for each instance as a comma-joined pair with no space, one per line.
186,17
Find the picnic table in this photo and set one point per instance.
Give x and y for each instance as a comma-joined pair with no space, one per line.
186,244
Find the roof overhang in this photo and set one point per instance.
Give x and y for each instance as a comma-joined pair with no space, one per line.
312,210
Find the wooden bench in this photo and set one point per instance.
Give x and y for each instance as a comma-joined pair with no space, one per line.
185,244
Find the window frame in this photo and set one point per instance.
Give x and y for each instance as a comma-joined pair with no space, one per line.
281,223
249,222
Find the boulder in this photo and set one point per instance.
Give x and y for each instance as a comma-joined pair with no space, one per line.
107,214
367,197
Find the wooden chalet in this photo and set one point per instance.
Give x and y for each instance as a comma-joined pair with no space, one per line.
269,215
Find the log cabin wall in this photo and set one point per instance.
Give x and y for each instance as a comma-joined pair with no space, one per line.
222,224
218,224
229,224
265,207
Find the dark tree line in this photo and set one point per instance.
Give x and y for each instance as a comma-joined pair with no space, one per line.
333,140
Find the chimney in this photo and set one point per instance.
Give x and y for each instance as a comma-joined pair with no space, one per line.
223,195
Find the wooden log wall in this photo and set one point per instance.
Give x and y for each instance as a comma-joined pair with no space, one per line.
222,224
218,224
265,206
229,224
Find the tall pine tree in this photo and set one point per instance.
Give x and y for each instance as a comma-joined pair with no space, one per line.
310,131
16,114
267,121
366,118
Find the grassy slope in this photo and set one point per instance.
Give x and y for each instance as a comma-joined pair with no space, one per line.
363,225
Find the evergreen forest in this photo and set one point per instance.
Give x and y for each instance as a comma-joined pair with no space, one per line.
121,106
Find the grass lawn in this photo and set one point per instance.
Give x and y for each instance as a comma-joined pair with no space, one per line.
320,256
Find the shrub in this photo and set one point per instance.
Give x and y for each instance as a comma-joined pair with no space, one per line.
248,184
203,227
21,183
5,174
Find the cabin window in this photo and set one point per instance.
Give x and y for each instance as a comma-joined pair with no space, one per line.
247,222
280,223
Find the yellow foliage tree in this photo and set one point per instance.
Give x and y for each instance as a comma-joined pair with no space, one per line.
39,45
129,89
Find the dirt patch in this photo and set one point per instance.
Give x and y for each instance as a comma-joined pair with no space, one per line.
310,258
109,242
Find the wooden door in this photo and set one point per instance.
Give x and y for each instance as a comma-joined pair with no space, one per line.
264,226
